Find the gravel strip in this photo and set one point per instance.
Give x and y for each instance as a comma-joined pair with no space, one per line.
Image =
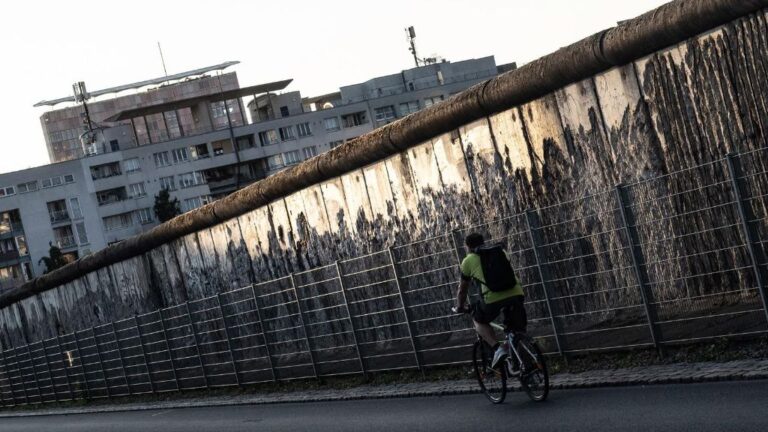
657,374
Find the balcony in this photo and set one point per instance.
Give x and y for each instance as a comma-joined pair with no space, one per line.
11,255
111,169
8,228
64,242
58,216
111,196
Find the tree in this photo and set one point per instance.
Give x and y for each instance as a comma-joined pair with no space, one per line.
165,207
54,260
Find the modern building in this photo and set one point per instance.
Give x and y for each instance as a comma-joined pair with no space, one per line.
198,134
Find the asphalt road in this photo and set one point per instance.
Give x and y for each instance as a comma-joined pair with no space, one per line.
720,406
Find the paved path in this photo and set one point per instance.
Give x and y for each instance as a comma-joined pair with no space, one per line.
691,407
674,373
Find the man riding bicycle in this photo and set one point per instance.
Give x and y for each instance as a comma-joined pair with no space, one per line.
506,295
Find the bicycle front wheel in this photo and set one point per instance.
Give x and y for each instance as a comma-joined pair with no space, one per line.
534,376
493,382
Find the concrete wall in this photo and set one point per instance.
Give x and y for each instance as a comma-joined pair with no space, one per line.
676,108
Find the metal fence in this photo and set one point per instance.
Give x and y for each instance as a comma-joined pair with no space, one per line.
668,260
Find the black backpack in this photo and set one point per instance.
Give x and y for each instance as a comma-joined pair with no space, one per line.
497,270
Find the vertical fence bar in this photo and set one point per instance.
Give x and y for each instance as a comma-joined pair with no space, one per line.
229,340
3,371
168,348
303,324
405,311
750,235
197,345
532,220
21,377
8,378
456,245
101,363
34,374
351,321
120,357
48,369
630,229
263,334
66,367
144,353
82,366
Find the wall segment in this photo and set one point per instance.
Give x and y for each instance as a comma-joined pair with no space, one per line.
559,128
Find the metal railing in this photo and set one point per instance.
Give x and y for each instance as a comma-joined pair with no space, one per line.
669,260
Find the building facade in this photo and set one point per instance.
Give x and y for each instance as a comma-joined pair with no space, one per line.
201,138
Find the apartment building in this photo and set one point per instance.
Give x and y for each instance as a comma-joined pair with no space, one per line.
198,134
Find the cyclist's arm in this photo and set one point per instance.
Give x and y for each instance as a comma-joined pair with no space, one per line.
461,293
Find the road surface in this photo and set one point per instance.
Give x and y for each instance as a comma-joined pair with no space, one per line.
688,407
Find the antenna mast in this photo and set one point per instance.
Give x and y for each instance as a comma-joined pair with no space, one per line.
162,59
411,34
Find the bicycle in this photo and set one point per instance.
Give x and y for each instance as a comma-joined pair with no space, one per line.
525,361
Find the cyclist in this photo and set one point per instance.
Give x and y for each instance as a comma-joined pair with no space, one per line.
491,303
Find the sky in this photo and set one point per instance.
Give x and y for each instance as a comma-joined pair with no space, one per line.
46,46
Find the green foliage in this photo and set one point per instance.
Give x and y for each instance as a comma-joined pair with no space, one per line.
165,207
54,260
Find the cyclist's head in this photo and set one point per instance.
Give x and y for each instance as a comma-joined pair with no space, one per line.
474,240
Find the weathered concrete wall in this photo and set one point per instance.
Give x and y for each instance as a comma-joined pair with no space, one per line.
674,108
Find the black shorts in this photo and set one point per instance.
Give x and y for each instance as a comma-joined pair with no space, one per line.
515,317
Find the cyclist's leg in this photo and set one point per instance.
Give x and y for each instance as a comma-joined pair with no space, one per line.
482,315
515,318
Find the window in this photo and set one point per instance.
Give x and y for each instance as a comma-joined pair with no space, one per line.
275,162
385,113
286,133
136,190
180,155
334,144
131,165
193,203
56,181
309,152
116,222
114,145
145,216
27,187
47,183
167,183
74,205
354,119
219,147
431,101
199,151
291,157
331,124
304,129
161,159
69,178
268,137
284,111
82,236
218,110
191,179
7,191
409,108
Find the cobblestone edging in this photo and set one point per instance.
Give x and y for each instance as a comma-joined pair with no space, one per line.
659,374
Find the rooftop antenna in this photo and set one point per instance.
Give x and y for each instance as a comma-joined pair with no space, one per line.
162,59
411,35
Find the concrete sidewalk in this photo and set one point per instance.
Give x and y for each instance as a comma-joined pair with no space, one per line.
659,374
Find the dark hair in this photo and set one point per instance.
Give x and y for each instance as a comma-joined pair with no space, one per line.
474,240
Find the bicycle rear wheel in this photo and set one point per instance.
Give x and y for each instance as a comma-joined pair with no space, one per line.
534,376
492,382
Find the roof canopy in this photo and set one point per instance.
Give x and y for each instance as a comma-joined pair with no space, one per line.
142,83
183,103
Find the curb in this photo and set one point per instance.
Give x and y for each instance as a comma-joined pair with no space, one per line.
560,382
